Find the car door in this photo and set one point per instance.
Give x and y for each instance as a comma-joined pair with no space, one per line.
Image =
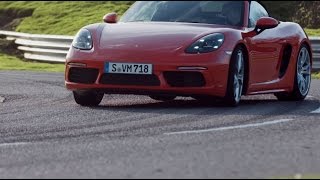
265,49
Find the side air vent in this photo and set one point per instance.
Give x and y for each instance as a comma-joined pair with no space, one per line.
184,79
285,60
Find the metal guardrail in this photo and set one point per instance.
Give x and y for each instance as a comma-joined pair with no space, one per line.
49,48
315,43
54,48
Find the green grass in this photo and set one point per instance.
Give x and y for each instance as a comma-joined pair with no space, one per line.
300,176
313,32
62,17
13,63
316,75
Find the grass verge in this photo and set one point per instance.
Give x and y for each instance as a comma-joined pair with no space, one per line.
313,32
299,176
62,17
8,62
316,75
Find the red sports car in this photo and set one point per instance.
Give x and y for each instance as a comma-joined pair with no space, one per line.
164,49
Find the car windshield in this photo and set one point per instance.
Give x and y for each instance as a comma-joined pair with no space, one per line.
209,12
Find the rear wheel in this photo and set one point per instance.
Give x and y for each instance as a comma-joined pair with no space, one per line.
236,77
88,98
163,97
302,80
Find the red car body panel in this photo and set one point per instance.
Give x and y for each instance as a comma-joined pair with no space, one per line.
163,44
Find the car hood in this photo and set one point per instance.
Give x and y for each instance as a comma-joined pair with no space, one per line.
153,36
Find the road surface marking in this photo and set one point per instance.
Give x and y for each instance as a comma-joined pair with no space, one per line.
317,111
310,97
2,99
297,176
13,144
232,127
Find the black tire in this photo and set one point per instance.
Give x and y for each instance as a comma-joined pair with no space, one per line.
89,98
163,97
296,94
230,97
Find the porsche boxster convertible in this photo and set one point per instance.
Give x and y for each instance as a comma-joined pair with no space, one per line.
199,49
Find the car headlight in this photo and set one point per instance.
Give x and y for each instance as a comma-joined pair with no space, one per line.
83,40
206,44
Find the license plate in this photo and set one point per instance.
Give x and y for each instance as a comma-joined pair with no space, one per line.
128,68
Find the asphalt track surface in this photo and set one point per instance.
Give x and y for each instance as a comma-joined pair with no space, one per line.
45,134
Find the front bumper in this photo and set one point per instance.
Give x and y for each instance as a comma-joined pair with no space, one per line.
214,84
215,74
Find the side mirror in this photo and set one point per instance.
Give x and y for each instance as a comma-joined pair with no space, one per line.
266,23
110,18
262,24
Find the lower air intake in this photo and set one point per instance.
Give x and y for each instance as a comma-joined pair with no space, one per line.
184,79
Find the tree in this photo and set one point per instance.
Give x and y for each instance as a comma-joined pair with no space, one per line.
308,14
281,10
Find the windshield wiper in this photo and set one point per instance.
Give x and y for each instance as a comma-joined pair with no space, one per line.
189,21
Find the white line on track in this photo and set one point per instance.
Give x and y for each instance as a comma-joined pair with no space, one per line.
2,99
317,111
310,97
13,144
232,127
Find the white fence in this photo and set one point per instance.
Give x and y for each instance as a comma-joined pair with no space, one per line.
54,48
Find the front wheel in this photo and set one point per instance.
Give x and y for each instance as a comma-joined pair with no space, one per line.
302,80
235,78
90,98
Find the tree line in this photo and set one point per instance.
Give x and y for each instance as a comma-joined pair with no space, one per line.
306,13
